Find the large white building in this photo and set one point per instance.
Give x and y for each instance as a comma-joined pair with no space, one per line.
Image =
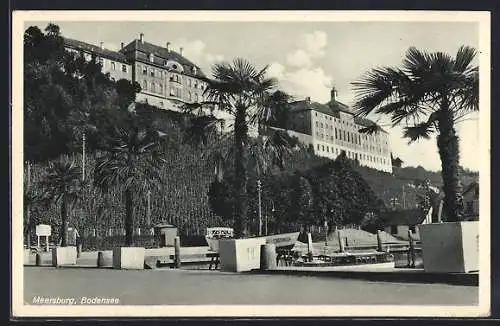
332,128
168,80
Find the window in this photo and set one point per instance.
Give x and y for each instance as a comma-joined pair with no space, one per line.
323,148
317,124
348,137
318,147
113,67
144,70
328,149
331,138
336,133
124,68
321,125
152,72
144,85
172,91
153,88
160,88
161,104
344,136
151,57
195,97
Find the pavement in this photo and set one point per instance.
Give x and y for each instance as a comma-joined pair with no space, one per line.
385,272
382,273
204,287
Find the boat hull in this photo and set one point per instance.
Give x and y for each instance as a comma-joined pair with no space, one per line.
281,241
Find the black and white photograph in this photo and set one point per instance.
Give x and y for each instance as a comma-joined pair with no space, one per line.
264,163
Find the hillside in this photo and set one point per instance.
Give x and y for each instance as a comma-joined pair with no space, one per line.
185,182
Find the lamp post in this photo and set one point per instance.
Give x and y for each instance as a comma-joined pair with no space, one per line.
259,190
272,213
83,157
148,212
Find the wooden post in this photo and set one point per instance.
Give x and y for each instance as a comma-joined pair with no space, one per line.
177,250
411,250
100,259
309,245
341,241
380,248
37,242
47,243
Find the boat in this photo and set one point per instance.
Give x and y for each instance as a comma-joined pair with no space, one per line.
281,241
214,234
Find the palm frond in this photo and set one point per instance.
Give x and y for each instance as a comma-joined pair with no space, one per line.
370,130
463,59
202,128
418,131
375,88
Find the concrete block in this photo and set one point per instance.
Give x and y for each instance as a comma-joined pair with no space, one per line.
63,256
451,247
128,257
240,255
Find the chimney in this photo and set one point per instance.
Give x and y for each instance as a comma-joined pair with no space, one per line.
122,45
180,50
101,45
308,100
141,37
168,46
333,94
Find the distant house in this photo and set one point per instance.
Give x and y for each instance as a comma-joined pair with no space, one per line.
471,201
398,222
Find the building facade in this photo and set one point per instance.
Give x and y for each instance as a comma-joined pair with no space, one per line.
333,128
168,80
114,63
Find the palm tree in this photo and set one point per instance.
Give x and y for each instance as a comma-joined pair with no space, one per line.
62,185
244,92
131,161
430,93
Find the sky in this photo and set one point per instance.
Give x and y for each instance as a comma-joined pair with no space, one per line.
307,58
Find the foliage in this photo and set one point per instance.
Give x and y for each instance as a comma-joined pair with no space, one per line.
244,92
132,159
431,92
62,185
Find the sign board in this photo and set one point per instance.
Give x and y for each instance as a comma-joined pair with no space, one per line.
43,230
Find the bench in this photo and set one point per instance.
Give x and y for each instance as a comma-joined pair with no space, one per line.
192,259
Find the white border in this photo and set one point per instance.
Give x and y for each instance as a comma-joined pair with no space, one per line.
21,310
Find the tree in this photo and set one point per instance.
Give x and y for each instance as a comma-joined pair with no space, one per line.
302,200
62,185
131,161
244,92
430,93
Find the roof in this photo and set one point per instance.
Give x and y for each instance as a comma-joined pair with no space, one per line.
404,217
161,54
105,53
332,108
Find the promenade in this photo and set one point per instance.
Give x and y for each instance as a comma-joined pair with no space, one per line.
203,287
